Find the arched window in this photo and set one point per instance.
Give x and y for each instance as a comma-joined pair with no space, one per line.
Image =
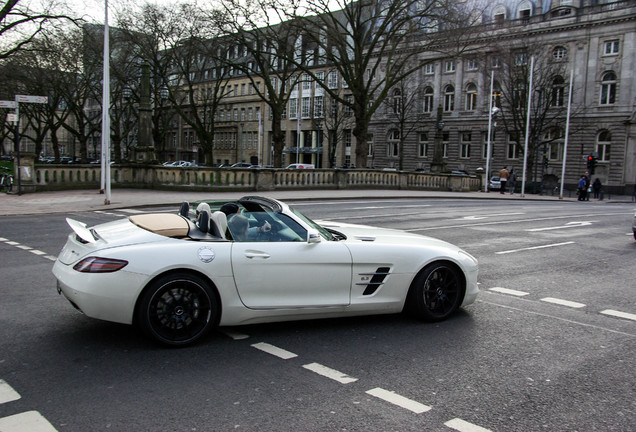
604,145
449,98
471,97
524,10
558,90
499,14
496,95
428,100
397,101
393,143
608,88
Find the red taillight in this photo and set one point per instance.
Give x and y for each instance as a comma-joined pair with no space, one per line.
99,265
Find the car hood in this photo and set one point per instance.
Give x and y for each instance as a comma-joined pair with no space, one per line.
366,233
85,240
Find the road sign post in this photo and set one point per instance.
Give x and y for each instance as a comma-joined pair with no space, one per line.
22,99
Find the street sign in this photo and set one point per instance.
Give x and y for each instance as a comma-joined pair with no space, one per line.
31,99
12,118
7,104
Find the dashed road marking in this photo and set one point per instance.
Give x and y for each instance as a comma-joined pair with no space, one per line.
30,421
509,291
27,248
330,373
275,351
562,302
37,252
398,400
534,248
464,426
7,394
619,314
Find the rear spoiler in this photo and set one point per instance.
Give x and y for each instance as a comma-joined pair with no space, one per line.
82,232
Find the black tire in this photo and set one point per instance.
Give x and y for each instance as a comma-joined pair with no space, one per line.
436,293
177,309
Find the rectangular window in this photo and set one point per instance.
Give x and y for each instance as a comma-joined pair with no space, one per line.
429,69
243,117
512,151
495,61
250,114
472,65
348,111
306,82
347,137
370,145
603,151
306,107
445,140
521,59
464,150
318,106
332,80
449,66
293,109
235,114
423,145
612,47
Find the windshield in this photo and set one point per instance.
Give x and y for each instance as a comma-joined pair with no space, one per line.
323,232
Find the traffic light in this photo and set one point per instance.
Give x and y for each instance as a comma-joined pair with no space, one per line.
591,163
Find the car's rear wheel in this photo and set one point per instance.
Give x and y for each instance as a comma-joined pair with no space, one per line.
436,292
177,309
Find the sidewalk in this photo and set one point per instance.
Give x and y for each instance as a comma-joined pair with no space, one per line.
86,200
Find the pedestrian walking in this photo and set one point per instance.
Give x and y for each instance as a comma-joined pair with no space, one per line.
503,178
582,188
512,180
596,188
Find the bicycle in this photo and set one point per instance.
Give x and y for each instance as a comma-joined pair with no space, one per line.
6,182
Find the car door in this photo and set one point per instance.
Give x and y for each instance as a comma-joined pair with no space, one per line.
292,274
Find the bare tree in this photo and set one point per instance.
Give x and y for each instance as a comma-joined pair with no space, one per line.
20,24
373,45
404,113
269,45
548,111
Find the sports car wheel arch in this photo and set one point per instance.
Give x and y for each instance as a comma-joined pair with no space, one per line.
436,292
178,308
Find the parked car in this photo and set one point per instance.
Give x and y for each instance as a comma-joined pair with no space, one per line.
177,278
300,166
495,183
241,165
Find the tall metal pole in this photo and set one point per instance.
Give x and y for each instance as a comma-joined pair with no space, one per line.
525,147
488,151
567,132
106,111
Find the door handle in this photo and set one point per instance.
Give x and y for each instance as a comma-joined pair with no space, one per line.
254,254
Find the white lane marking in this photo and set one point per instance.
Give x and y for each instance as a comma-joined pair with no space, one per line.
235,335
2,239
12,243
28,248
30,421
563,302
499,222
534,247
132,211
51,257
398,400
567,225
464,426
7,394
24,247
275,351
619,314
487,216
556,317
330,373
37,252
509,291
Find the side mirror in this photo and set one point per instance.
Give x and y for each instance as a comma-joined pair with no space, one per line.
313,236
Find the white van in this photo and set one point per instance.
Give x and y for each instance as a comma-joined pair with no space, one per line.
300,166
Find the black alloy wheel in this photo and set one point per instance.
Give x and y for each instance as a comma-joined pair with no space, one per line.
177,309
436,293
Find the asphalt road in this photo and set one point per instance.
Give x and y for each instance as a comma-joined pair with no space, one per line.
550,344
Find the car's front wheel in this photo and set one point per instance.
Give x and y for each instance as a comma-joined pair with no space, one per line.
436,292
177,309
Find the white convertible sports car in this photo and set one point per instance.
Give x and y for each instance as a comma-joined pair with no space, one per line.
176,276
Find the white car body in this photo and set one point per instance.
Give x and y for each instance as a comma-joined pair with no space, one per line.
303,276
